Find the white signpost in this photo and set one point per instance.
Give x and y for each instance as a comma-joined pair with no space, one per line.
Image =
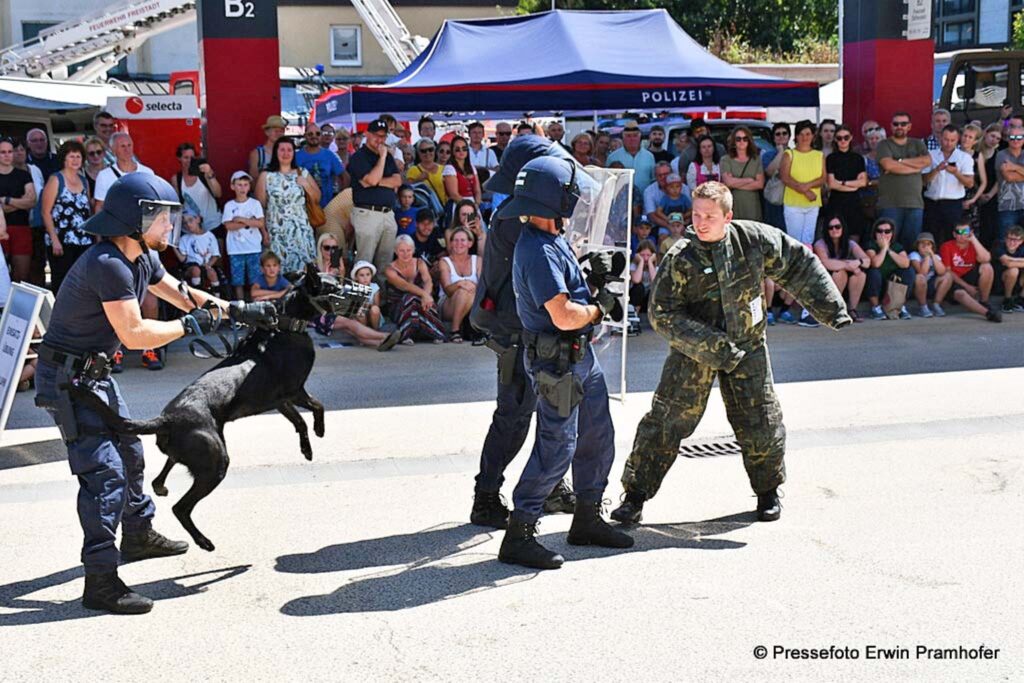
919,19
27,306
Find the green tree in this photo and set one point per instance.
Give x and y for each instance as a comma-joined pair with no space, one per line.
779,26
1018,30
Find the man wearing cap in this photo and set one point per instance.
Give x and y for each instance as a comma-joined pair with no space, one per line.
375,180
698,129
97,308
632,155
494,312
707,301
574,426
259,157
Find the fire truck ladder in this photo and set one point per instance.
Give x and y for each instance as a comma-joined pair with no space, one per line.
387,27
97,41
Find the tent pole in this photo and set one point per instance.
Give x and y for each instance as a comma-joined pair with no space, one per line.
595,121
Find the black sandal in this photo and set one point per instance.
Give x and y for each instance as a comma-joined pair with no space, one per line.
456,338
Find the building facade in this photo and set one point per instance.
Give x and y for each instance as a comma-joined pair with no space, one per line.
312,32
962,24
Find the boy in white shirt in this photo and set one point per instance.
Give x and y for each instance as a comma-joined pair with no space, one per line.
198,252
247,234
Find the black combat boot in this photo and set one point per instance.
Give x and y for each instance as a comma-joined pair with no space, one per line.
108,592
588,528
769,508
561,499
489,510
631,510
148,544
520,547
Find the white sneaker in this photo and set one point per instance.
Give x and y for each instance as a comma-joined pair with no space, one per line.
937,310
925,312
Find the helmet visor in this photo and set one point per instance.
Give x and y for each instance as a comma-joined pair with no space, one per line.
161,221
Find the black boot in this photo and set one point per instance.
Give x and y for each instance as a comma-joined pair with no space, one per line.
148,544
588,528
489,510
520,547
631,510
108,592
561,499
769,508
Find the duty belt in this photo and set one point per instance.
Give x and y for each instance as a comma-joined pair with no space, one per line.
88,364
567,348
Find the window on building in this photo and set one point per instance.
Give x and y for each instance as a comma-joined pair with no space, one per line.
958,33
952,7
346,46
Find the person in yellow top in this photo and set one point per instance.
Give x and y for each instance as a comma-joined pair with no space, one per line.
803,174
427,169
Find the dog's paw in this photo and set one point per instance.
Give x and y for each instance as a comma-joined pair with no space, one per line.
160,489
307,453
319,430
204,543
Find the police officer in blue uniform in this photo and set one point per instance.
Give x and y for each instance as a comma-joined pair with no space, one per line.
98,308
558,312
494,313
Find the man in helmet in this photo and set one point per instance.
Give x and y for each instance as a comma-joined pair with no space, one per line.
558,312
494,312
98,308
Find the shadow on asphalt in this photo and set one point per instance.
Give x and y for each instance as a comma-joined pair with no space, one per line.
437,568
46,611
32,454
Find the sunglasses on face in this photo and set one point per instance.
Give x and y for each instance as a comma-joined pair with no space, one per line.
96,153
835,226
459,149
885,231
875,129
781,133
900,124
504,135
844,138
742,138
1016,137
328,247
962,231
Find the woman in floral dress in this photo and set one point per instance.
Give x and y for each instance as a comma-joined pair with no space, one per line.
65,207
282,191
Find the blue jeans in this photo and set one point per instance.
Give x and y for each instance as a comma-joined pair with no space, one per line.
109,470
585,440
509,427
908,224
1008,219
774,215
876,285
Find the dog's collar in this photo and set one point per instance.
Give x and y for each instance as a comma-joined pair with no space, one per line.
287,324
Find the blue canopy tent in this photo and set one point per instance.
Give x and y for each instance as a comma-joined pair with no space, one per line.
573,61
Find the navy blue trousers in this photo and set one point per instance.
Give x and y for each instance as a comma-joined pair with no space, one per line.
517,402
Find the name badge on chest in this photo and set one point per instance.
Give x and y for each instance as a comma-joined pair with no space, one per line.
756,311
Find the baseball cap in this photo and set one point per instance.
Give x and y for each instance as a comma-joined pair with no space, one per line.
377,126
673,178
240,174
631,125
675,217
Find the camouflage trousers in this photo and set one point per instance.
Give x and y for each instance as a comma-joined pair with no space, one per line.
679,403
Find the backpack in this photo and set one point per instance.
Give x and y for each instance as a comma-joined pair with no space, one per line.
424,198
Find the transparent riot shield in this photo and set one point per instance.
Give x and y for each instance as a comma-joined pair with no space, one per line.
602,222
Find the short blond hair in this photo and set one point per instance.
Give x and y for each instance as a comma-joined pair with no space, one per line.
716,191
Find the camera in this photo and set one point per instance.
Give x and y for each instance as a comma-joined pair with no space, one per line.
335,256
193,166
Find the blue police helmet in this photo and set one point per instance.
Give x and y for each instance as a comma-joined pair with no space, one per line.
546,187
521,150
122,211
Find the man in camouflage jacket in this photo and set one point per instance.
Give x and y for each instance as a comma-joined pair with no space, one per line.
707,301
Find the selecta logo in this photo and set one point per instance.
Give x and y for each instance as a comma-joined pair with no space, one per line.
134,105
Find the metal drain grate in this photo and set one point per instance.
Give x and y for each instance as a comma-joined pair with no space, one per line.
707,448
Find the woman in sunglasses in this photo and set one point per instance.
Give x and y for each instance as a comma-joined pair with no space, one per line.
95,161
428,169
886,258
847,175
843,258
460,181
743,174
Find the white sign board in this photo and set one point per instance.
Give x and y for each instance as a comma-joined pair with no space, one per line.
153,107
25,306
919,19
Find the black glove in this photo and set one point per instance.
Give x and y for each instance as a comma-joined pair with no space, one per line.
609,303
605,267
256,314
200,321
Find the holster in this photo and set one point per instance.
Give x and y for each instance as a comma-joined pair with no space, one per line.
564,392
506,359
63,413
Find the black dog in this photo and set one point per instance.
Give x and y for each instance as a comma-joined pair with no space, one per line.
266,372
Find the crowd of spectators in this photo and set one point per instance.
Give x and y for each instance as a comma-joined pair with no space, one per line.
938,216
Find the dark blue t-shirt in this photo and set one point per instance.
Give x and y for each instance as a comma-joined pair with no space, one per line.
102,273
323,166
544,267
280,284
362,162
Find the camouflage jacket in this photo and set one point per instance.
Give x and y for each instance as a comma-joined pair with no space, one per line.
707,298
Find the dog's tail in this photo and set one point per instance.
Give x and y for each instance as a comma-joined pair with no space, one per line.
114,422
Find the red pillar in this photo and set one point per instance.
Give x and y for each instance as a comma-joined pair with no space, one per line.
239,77
883,72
